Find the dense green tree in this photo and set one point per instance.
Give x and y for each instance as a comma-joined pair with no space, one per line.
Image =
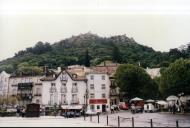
116,55
135,82
175,79
87,59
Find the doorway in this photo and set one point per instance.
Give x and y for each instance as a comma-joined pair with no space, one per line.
103,108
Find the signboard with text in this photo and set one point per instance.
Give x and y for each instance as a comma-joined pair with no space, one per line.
98,101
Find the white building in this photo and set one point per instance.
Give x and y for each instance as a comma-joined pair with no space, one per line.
4,82
65,88
98,92
26,88
154,72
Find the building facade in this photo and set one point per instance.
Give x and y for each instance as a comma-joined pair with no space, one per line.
65,89
4,82
98,92
25,88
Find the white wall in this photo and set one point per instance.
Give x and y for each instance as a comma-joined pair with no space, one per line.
81,85
4,80
97,81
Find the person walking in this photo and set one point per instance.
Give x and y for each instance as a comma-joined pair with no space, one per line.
18,111
23,112
173,109
112,109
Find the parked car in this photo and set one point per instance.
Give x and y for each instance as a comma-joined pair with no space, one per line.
68,114
123,106
149,107
115,107
136,109
90,112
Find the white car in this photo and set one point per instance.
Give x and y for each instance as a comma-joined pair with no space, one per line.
149,108
90,112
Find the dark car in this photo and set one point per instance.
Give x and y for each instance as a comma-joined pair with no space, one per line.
69,114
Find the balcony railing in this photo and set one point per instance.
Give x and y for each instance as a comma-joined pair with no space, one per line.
25,96
50,103
37,94
64,102
74,90
63,90
74,101
51,90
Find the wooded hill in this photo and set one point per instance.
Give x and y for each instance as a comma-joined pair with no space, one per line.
93,48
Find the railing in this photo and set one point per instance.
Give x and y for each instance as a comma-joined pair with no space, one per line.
63,90
74,101
74,90
64,102
25,96
50,103
51,90
37,94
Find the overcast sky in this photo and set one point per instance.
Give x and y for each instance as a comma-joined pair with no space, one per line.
161,24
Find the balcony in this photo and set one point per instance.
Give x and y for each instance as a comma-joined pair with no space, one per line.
51,103
113,92
74,90
63,90
37,94
52,90
64,102
25,96
74,101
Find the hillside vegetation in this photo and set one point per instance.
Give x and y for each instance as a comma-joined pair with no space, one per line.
77,49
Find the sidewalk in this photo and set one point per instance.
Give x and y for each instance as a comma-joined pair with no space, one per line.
46,121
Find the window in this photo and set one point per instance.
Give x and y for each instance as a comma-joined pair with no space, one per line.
14,91
92,86
63,84
103,77
51,99
52,84
98,106
92,95
38,91
92,77
103,95
74,84
53,88
91,107
63,99
103,86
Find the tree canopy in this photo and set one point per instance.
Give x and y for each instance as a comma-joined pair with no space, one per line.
176,78
135,82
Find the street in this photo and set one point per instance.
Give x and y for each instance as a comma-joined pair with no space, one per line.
125,119
142,119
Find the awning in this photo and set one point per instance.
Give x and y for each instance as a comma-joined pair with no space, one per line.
172,98
150,101
136,99
71,106
161,102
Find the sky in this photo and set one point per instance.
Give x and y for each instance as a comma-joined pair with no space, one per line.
160,24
